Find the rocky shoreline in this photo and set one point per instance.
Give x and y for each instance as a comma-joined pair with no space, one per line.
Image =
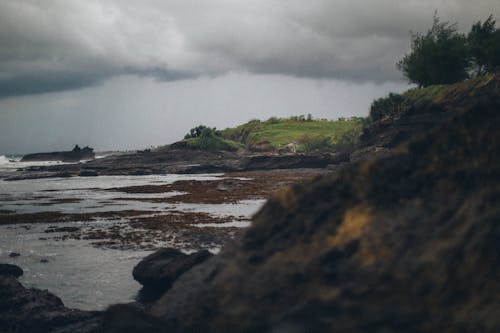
177,161
402,238
75,155
143,229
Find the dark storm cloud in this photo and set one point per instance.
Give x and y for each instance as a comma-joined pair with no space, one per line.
67,44
42,83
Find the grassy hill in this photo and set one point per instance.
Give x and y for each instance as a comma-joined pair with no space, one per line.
307,134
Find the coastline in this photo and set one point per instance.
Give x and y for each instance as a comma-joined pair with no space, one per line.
403,237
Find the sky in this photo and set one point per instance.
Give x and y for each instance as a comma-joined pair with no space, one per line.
123,74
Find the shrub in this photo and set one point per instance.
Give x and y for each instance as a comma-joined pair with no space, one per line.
348,140
211,142
386,106
202,131
314,142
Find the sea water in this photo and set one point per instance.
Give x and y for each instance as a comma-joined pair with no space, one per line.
82,275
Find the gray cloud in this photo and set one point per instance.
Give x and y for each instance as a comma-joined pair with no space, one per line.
67,44
130,112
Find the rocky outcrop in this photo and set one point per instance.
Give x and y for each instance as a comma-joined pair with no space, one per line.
10,270
160,269
181,162
88,173
75,155
408,242
38,311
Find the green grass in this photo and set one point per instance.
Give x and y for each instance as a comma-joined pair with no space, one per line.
277,132
438,93
459,93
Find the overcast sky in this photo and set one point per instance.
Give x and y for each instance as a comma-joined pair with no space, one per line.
131,74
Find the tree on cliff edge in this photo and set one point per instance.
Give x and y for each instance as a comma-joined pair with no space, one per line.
438,57
484,46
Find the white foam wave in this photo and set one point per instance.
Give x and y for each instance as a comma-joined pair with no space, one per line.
4,159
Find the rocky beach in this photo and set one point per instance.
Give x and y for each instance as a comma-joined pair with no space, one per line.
398,234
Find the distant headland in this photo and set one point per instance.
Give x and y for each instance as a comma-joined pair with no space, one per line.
77,154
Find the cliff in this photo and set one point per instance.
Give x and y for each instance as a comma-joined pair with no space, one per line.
406,241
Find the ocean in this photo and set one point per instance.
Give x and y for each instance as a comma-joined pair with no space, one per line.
92,268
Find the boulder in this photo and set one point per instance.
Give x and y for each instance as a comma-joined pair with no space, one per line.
36,311
10,270
159,270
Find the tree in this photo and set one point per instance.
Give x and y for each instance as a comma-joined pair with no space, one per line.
438,57
484,46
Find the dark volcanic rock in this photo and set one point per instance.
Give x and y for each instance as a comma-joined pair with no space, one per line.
88,173
61,229
10,270
182,162
75,155
130,318
159,270
289,161
409,242
37,311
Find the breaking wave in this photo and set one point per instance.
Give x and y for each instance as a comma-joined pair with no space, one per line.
4,159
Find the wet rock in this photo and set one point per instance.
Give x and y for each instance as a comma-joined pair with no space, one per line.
61,229
38,311
159,270
131,318
88,173
10,270
74,155
141,172
183,161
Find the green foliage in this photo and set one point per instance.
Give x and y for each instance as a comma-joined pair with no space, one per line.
310,142
206,138
386,106
484,46
348,140
201,131
211,143
444,56
395,104
340,141
439,57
